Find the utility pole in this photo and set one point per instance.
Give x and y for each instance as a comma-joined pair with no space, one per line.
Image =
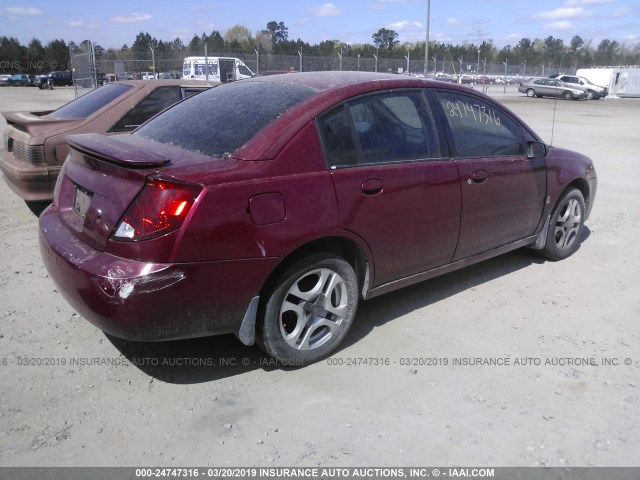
153,60
426,43
506,63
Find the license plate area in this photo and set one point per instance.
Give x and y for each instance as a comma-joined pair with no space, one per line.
81,201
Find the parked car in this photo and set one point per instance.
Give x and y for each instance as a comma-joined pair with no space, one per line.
594,92
273,219
55,79
484,80
4,80
550,87
168,75
35,148
21,80
445,77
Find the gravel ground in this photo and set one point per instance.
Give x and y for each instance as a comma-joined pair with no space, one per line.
73,397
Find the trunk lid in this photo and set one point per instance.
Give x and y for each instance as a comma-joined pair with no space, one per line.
99,180
103,175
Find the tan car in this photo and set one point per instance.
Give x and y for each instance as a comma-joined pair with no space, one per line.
34,142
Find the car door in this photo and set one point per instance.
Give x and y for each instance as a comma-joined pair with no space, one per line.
502,190
395,188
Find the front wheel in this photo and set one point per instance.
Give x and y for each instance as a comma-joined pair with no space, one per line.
565,228
567,95
310,311
590,94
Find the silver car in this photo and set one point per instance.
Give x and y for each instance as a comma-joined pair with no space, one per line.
594,92
550,87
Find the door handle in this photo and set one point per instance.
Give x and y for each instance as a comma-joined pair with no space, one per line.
373,186
477,177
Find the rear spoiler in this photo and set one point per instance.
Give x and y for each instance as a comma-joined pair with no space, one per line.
128,150
34,123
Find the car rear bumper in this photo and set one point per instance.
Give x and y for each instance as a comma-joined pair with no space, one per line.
149,301
29,181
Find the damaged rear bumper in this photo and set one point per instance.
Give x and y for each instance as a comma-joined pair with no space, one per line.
146,301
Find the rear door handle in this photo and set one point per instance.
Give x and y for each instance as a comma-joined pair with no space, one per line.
373,186
479,176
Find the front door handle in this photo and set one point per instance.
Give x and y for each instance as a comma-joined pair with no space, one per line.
373,186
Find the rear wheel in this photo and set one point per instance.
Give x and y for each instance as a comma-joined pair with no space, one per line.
565,228
567,95
310,311
531,92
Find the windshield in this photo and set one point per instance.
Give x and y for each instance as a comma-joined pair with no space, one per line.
219,121
91,102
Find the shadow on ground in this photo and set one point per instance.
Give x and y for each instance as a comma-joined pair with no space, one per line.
211,358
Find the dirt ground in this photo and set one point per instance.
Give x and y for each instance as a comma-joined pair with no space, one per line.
565,392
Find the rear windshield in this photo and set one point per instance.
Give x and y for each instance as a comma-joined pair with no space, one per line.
91,102
219,121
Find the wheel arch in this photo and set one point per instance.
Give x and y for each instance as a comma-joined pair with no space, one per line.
348,249
344,247
583,186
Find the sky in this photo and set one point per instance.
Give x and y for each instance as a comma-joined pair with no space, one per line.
115,23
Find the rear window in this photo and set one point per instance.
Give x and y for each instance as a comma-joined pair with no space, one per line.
219,121
91,102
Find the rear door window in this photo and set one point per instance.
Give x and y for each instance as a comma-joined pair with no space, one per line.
338,140
380,128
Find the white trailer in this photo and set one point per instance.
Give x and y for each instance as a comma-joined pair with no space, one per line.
622,82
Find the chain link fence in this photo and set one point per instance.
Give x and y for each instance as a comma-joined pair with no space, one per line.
265,62
84,68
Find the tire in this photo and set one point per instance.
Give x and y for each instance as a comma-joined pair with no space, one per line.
591,95
531,93
565,227
310,311
567,95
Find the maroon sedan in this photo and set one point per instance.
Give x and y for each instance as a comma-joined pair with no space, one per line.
269,207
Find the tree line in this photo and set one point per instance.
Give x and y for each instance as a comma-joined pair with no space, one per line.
274,39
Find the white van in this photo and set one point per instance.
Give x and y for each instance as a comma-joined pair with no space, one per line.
220,69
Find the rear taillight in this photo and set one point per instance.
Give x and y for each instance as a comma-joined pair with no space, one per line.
159,208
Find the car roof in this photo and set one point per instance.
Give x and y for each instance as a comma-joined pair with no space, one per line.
323,81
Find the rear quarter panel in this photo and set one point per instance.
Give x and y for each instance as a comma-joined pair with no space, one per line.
224,226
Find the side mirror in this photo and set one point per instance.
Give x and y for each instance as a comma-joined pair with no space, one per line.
536,149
